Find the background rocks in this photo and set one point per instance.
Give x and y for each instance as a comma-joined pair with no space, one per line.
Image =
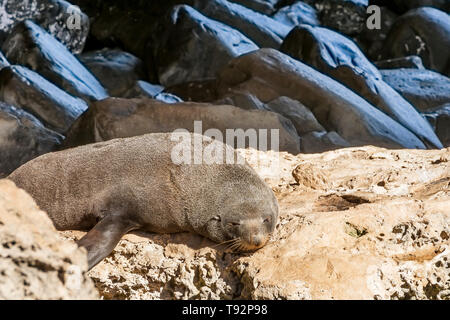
63,20
121,118
424,32
28,90
22,138
35,261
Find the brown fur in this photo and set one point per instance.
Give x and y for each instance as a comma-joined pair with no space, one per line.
127,184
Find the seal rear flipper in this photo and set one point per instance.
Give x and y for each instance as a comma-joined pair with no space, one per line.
101,240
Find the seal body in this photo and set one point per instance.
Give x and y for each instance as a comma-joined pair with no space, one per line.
114,187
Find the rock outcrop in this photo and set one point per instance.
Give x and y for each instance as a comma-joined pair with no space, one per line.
35,261
357,223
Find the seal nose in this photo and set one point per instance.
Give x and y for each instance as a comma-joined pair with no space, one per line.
256,240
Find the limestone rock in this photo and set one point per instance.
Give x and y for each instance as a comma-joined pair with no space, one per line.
358,223
35,261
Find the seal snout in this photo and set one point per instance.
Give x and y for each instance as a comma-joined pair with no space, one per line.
251,234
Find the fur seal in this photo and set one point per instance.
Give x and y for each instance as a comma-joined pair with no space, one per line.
114,187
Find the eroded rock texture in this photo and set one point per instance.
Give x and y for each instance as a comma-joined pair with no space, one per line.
357,223
35,261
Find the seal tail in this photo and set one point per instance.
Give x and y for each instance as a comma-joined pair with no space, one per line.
101,240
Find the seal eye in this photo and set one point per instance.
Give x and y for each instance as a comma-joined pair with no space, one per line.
266,220
234,224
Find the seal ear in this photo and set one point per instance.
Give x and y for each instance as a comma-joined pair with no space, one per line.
101,240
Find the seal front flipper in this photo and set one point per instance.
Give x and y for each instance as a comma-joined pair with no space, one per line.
101,240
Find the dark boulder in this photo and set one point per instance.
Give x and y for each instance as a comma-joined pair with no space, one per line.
55,108
269,74
116,70
405,5
63,20
424,89
297,13
22,138
3,61
262,6
440,120
409,62
193,47
345,16
31,46
261,29
341,59
424,32
119,118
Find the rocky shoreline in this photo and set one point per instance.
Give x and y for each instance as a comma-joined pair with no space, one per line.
360,169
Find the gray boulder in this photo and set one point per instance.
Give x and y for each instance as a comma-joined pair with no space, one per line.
424,89
424,32
297,13
54,107
341,59
22,138
116,70
440,120
262,6
64,21
31,46
269,74
194,47
409,62
261,29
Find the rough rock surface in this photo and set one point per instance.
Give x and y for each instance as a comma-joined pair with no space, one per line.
63,20
357,223
22,138
35,261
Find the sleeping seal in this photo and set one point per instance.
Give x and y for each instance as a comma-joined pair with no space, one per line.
114,187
